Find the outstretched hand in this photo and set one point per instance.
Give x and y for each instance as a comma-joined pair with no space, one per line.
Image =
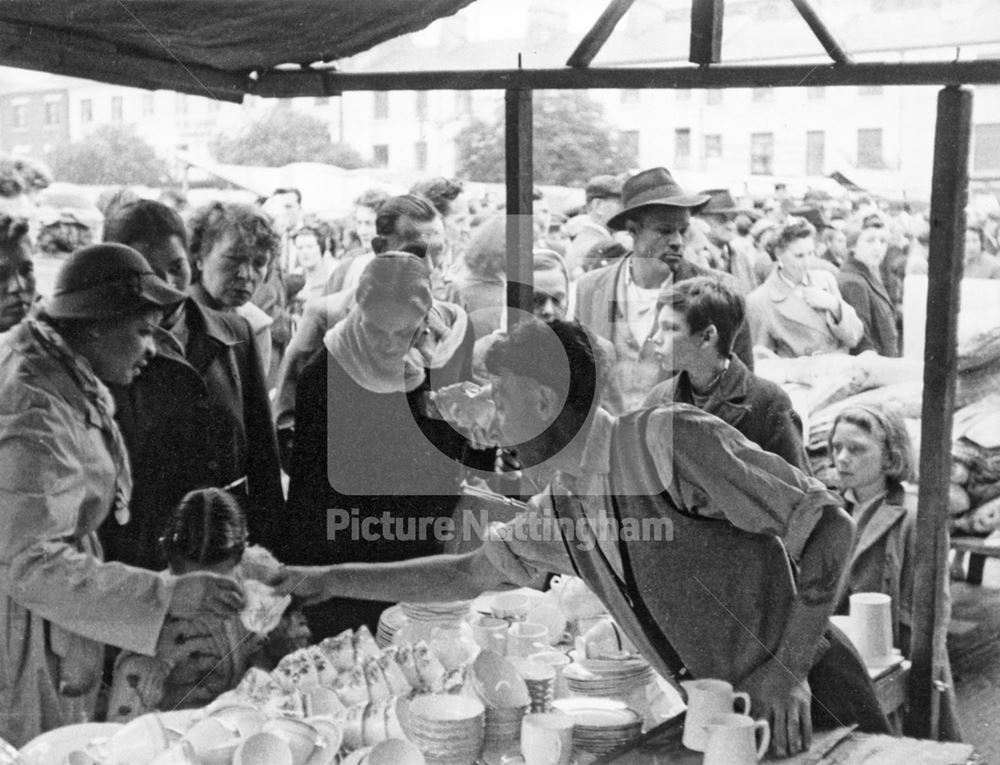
786,704
306,584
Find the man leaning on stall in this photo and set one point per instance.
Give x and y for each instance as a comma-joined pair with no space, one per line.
713,598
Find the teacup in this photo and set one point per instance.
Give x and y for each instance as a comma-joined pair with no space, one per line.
706,699
139,742
526,638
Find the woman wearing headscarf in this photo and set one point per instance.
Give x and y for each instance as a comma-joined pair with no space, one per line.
371,470
63,470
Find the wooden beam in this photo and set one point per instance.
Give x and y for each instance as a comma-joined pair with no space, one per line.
520,205
706,31
949,185
594,40
823,33
281,84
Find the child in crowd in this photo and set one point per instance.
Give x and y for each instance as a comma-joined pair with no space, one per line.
871,453
199,658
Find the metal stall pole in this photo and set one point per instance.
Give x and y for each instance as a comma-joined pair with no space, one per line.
520,182
949,190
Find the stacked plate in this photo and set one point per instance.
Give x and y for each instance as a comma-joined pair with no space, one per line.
389,623
447,729
600,726
541,682
607,677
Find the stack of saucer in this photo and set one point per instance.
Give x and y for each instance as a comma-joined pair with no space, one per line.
541,682
389,623
600,725
607,677
447,729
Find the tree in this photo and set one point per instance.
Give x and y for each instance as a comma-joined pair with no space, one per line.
281,136
572,142
111,155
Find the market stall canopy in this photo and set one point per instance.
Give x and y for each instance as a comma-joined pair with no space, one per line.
204,47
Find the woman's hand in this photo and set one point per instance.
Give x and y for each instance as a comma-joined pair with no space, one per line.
308,585
201,593
820,300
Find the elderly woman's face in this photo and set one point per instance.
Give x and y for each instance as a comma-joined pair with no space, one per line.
17,286
231,271
391,329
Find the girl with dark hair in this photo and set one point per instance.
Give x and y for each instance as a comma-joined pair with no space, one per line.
197,658
367,453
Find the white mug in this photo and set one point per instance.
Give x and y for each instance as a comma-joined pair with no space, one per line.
871,627
733,739
526,638
547,738
707,699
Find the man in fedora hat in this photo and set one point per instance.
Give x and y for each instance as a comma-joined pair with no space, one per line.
719,249
618,302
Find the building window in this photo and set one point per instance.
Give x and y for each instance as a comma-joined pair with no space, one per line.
148,104
380,154
870,149
682,148
86,110
762,154
761,95
381,105
629,97
815,152
420,152
463,102
52,112
19,116
816,94
870,90
117,109
713,146
421,105
322,101
713,97
986,147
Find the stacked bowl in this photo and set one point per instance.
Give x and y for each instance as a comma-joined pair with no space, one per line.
447,729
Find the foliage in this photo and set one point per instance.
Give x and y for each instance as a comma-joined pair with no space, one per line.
281,136
111,155
572,143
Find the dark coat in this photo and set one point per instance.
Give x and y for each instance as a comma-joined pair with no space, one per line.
365,455
873,306
193,422
757,408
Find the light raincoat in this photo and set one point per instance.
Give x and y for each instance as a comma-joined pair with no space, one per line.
63,469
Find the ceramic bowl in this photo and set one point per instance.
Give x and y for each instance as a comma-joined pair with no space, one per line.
263,749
